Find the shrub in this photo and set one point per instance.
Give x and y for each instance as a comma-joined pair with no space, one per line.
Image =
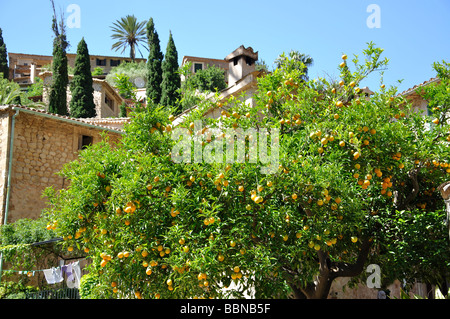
133,70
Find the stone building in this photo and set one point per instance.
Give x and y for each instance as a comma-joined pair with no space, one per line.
418,103
34,145
241,78
241,63
107,100
236,65
23,68
199,63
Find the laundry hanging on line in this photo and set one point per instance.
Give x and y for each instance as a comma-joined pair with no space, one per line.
73,281
68,270
56,274
53,275
29,273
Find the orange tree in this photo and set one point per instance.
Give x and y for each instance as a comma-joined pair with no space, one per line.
156,227
416,245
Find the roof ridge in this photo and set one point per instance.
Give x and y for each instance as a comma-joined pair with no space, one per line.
58,116
410,90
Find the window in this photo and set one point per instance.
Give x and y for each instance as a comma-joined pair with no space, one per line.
198,67
84,141
101,62
109,102
429,112
248,60
114,62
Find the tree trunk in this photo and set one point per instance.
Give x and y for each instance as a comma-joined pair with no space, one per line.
328,271
298,294
430,291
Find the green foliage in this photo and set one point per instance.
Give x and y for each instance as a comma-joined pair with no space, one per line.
154,65
295,61
187,92
132,70
124,85
210,79
25,231
15,290
18,253
82,103
9,91
417,246
97,71
3,57
91,287
58,89
158,228
171,81
123,110
261,66
438,94
37,88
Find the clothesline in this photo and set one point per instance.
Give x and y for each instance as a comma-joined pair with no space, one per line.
34,270
55,275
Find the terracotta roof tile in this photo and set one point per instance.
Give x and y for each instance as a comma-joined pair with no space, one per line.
415,87
92,121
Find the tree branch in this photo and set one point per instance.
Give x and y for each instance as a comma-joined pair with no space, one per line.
351,270
415,190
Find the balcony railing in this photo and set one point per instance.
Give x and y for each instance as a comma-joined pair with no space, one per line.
62,293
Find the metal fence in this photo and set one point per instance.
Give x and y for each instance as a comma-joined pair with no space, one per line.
62,293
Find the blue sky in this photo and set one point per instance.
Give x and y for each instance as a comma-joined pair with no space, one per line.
414,34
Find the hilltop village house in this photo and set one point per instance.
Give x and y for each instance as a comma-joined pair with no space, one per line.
35,144
24,68
240,75
107,100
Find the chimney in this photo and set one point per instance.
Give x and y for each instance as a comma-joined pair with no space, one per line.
241,63
32,72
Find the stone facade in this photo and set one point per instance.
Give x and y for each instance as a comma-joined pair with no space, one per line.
23,67
341,290
199,63
107,100
42,144
241,63
236,66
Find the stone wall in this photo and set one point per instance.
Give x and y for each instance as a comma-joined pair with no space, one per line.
41,147
341,290
101,90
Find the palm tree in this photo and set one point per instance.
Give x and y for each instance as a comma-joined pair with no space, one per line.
129,33
295,60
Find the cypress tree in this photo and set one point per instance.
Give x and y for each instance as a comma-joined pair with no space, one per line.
82,103
171,79
3,58
154,65
58,90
